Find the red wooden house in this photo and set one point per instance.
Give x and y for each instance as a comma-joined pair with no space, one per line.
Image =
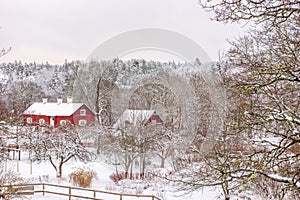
135,117
59,113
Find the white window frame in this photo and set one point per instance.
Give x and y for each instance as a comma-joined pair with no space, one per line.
29,120
62,122
82,122
153,121
41,121
82,112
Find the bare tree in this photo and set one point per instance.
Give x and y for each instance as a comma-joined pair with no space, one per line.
58,146
266,188
133,144
93,85
6,179
256,10
264,67
197,166
20,97
153,96
219,168
4,51
265,71
164,145
260,136
2,89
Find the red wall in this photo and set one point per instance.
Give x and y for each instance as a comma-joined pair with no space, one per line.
156,118
66,118
35,119
74,119
89,117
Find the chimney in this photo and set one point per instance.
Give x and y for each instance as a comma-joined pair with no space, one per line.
44,100
69,100
59,101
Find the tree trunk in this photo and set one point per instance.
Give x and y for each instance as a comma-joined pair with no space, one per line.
131,171
59,172
126,165
98,144
143,167
162,162
226,190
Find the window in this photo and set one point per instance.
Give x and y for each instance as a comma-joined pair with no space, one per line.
41,121
62,122
29,120
82,122
82,112
153,122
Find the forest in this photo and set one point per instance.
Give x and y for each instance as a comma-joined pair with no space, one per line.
233,124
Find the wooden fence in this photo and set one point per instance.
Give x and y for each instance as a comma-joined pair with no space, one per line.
48,188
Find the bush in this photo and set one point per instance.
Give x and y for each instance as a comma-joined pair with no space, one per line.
83,177
116,177
9,178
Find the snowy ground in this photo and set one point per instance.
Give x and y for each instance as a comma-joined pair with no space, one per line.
45,172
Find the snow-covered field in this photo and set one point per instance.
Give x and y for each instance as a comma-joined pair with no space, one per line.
44,172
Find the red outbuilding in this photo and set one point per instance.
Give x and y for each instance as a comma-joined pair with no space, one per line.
135,117
59,113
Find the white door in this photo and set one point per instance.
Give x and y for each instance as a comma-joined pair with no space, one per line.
51,121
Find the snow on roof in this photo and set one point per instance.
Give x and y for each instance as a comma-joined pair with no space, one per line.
53,109
133,117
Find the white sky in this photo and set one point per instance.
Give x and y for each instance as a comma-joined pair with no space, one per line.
55,30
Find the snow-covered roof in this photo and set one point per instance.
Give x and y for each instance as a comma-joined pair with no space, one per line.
53,109
133,117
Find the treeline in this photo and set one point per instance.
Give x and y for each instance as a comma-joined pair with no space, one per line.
24,83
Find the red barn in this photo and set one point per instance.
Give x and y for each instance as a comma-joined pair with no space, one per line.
59,113
135,117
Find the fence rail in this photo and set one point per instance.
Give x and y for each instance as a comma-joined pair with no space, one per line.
72,189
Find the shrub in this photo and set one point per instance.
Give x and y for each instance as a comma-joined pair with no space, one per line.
116,177
83,177
9,178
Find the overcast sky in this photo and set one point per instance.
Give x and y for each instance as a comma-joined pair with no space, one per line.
55,30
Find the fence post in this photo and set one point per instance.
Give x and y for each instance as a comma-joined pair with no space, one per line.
94,194
70,193
152,197
121,196
43,189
